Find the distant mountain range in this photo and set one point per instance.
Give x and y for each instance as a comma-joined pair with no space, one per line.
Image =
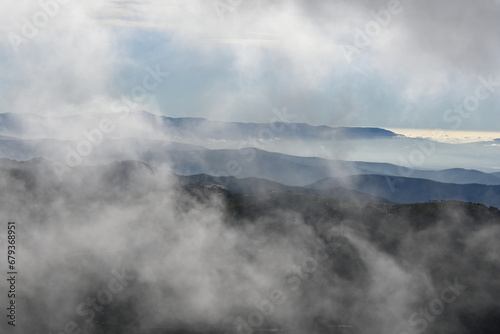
358,188
248,162
145,125
411,190
151,139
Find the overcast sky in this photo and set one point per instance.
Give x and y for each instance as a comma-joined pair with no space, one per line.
328,62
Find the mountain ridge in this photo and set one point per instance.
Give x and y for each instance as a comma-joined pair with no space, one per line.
197,121
413,190
188,159
360,188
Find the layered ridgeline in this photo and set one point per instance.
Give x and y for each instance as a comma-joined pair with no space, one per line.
238,169
131,248
90,138
93,139
188,159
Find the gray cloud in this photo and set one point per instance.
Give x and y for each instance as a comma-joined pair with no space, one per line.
277,53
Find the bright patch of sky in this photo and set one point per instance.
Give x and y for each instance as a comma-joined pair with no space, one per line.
450,136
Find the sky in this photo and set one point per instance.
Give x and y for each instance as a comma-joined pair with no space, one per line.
392,64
